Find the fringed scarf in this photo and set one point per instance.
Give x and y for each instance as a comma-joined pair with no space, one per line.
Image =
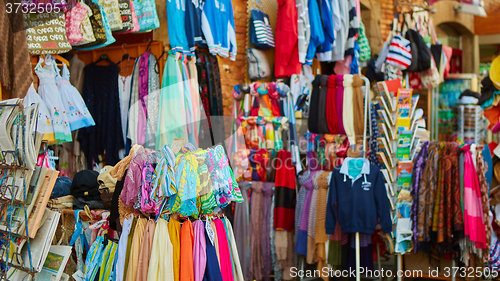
418,167
475,234
481,169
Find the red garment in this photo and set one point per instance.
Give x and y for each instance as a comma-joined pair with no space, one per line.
286,54
285,198
340,102
331,109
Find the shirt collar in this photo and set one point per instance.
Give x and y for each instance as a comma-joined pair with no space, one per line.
344,169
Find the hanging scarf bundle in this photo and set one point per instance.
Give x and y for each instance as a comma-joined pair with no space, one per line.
187,179
163,177
475,240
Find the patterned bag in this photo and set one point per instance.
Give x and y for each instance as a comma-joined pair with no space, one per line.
86,27
46,34
399,52
430,78
261,33
96,8
75,13
97,26
126,14
135,21
146,14
112,10
365,52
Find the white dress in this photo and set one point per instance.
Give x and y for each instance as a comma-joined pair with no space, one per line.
50,95
76,109
124,83
44,122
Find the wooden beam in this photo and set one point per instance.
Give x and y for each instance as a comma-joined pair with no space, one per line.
489,39
487,25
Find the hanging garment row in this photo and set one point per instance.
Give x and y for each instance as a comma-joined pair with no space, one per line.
61,107
335,101
90,24
164,249
264,116
325,152
332,31
136,109
450,187
267,241
186,241
191,183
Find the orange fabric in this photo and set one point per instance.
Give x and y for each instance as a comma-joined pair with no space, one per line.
186,272
493,115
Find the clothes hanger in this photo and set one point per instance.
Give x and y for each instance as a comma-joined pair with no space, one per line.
61,59
148,49
125,56
104,57
157,65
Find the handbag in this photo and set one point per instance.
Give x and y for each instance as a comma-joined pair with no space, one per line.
258,66
424,53
146,14
430,78
399,54
261,33
413,46
102,25
126,14
75,13
96,25
46,33
112,10
86,27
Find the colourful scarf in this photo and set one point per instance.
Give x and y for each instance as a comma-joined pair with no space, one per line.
473,209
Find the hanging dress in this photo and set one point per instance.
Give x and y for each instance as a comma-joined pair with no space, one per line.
76,110
44,124
50,95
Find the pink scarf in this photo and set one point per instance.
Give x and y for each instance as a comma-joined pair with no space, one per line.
473,209
226,266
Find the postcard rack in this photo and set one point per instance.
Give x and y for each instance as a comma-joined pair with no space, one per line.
9,205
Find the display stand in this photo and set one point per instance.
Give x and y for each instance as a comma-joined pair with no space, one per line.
397,121
8,201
